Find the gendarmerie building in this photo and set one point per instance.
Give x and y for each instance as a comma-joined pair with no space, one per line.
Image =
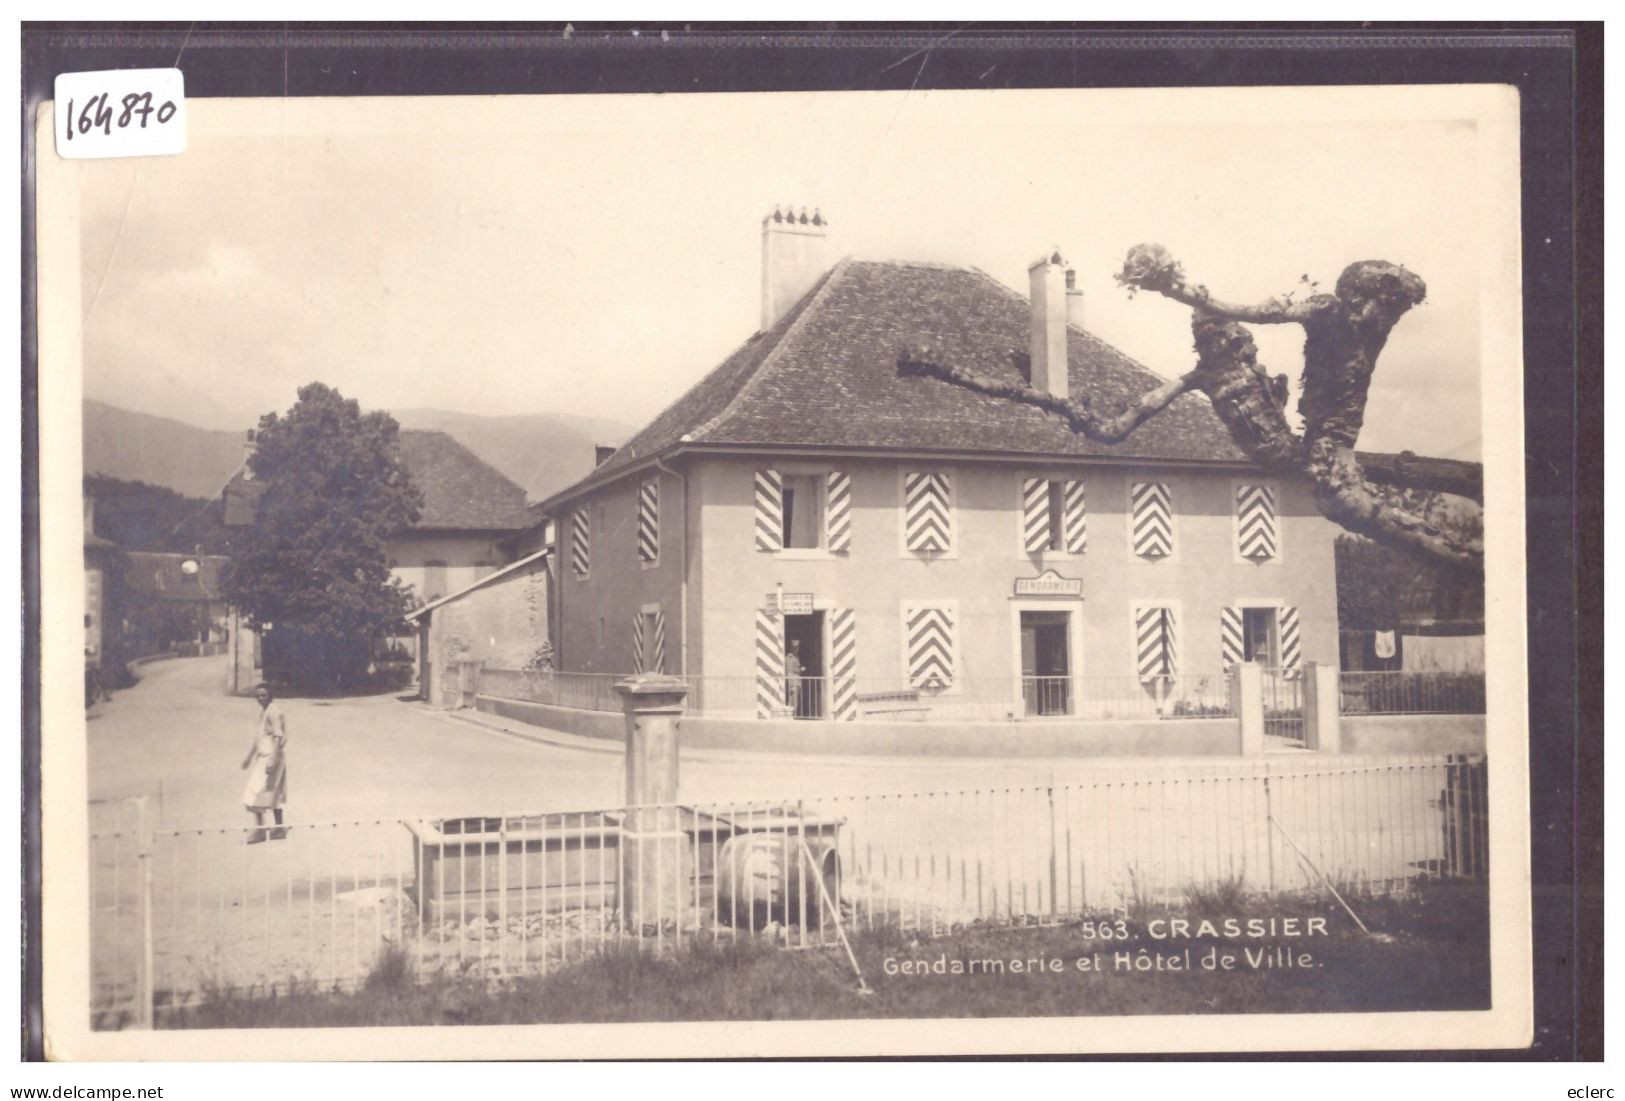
919,545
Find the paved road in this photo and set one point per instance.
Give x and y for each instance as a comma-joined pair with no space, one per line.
178,732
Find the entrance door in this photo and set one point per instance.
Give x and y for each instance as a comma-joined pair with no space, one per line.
804,648
1046,663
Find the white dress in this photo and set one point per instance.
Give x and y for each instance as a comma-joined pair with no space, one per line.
267,784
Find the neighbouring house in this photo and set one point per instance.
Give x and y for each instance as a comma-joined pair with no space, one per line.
910,540
500,621
471,513
173,603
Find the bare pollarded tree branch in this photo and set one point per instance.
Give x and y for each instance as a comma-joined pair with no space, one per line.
1152,268
1344,332
920,359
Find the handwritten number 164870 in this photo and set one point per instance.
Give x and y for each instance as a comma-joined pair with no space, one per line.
97,115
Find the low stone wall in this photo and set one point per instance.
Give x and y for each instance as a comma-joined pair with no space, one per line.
608,725
1405,735
1146,738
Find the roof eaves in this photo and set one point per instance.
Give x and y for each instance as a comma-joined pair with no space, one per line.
610,477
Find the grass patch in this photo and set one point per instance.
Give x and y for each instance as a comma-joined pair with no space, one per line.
1430,952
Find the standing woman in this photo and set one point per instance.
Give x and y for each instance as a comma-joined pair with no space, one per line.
267,765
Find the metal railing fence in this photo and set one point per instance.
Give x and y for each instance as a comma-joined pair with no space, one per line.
1399,692
182,916
877,699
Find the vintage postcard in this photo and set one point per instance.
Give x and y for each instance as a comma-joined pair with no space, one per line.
651,575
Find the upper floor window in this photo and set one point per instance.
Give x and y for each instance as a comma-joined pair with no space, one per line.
1257,537
1151,519
580,542
927,511
798,510
649,522
1053,516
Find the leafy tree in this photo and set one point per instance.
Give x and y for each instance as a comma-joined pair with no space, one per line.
312,565
1344,333
142,517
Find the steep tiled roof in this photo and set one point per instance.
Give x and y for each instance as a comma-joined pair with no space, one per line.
460,490
826,375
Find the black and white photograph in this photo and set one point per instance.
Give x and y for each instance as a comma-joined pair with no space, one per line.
935,572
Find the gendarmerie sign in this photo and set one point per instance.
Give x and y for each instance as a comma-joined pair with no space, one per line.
1049,583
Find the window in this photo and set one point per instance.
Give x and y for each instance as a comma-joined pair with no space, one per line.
803,520
580,543
930,644
1053,516
649,522
1156,642
927,512
1259,641
1151,529
434,580
1256,526
803,511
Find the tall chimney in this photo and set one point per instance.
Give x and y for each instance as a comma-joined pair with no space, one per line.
1046,343
248,453
1074,300
793,259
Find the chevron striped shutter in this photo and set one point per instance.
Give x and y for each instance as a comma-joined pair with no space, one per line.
930,635
1291,651
1035,515
580,543
637,642
769,510
649,521
925,511
838,512
1154,643
769,665
1232,645
843,665
1255,521
1153,520
1074,519
657,649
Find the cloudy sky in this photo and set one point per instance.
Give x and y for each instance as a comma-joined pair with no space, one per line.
597,255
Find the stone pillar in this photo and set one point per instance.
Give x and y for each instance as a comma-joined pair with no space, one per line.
1322,718
656,866
1247,701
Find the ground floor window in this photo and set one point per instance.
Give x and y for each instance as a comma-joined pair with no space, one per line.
1261,640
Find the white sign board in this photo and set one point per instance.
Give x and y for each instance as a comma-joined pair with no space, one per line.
120,113
1049,583
792,603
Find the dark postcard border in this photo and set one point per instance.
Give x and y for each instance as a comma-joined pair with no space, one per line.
1556,68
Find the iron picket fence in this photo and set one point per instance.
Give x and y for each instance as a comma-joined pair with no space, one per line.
185,915
1402,692
882,699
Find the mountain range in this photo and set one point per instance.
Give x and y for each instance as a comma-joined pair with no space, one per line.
542,452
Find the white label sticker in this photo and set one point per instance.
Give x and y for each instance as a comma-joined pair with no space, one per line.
121,113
